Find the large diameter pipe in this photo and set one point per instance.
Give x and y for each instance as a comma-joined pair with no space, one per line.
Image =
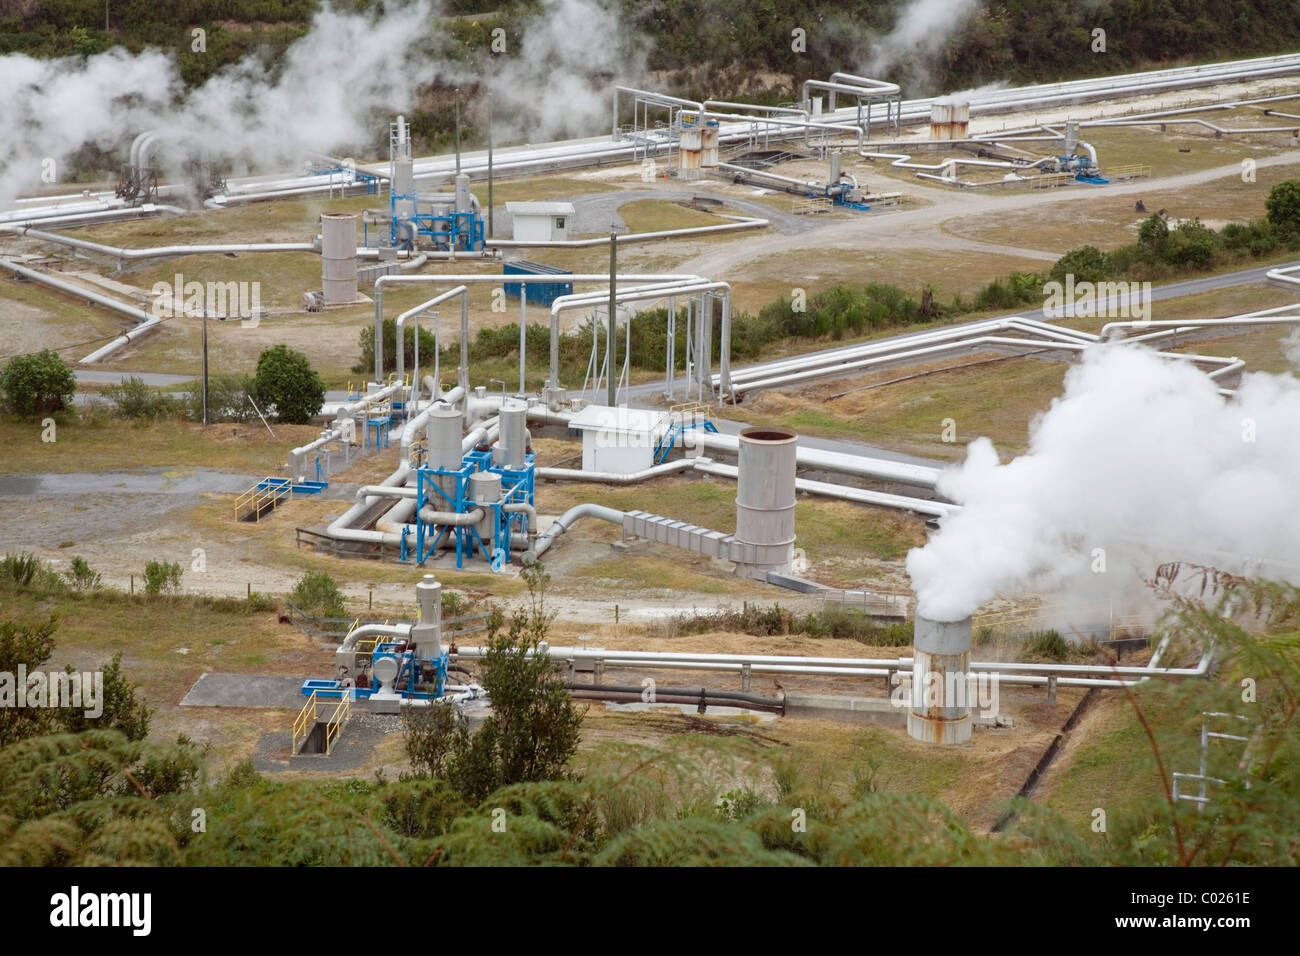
147,322
765,500
568,519
160,252
472,278
940,712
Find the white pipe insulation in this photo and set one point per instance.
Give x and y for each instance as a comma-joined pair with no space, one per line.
147,322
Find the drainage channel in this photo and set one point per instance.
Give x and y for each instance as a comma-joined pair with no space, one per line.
1049,755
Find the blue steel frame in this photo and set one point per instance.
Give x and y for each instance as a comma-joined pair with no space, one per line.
517,486
458,230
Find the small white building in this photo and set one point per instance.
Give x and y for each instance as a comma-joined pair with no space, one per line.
618,440
541,221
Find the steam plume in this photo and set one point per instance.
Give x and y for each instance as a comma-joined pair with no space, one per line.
1140,457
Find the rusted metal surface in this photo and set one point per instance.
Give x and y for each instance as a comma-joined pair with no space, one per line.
940,703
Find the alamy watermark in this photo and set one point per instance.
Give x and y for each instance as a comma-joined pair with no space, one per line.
1127,300
973,689
55,689
221,300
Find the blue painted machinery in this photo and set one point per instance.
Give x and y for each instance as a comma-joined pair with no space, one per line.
379,665
480,501
445,221
477,486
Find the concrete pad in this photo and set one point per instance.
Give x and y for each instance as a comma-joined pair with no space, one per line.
246,690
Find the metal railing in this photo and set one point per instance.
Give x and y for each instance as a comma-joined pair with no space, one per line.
875,603
1202,777
265,496
310,716
805,207
1129,171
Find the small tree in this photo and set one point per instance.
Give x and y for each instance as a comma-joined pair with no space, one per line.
1086,264
162,576
287,382
82,576
37,384
316,593
1283,205
533,730
1153,232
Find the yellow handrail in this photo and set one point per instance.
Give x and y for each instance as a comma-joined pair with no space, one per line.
309,716
1130,171
305,716
267,491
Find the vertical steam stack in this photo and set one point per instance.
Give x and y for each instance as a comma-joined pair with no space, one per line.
426,634
339,257
939,708
691,147
765,494
950,119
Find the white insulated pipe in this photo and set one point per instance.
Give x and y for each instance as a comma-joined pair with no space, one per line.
147,322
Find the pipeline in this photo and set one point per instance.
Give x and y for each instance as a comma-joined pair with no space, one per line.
147,322
567,520
740,223
628,693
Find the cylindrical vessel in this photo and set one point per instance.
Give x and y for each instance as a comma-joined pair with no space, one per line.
426,634
939,708
444,433
960,120
709,155
484,488
339,257
765,494
512,446
403,188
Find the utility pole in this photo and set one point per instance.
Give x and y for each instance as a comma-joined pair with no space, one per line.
458,132
610,347
105,16
489,222
205,368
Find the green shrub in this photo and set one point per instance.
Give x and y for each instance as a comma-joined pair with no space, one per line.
162,577
28,571
135,399
1086,264
1191,244
289,386
257,601
455,604
366,365
228,399
81,576
1283,205
1049,644
317,595
37,384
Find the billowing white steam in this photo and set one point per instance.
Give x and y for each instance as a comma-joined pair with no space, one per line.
921,30
322,98
570,53
54,107
1140,458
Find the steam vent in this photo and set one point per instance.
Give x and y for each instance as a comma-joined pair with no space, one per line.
764,539
940,663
